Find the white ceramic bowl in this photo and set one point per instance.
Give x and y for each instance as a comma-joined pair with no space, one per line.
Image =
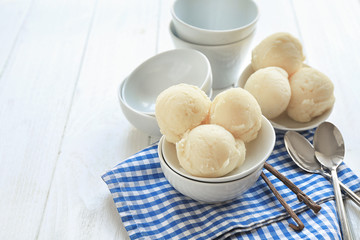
284,122
225,60
220,189
257,151
156,74
214,22
144,122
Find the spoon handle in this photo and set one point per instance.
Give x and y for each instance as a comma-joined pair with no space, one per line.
347,190
340,206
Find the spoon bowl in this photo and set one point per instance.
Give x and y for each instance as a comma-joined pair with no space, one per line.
301,152
329,145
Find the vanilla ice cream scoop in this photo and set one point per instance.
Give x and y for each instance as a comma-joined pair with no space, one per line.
280,50
270,86
210,151
312,93
180,108
238,112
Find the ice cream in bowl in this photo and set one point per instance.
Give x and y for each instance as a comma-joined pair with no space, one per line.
291,94
212,151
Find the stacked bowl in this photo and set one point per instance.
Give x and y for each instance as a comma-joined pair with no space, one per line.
138,92
221,29
219,189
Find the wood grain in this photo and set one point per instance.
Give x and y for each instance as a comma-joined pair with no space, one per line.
36,91
12,17
97,136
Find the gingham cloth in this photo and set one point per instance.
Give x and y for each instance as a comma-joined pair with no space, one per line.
150,208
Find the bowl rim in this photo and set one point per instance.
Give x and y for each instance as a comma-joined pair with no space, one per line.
207,77
121,99
166,165
232,177
174,35
207,31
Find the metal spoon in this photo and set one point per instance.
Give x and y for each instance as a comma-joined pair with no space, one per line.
302,153
330,150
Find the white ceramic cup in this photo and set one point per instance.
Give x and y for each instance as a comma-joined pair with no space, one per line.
214,22
225,60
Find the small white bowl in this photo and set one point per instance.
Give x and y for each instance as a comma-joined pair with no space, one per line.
208,192
225,60
257,152
284,122
163,70
214,22
143,122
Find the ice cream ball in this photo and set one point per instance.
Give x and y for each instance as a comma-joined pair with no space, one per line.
270,87
238,112
312,93
210,151
180,108
280,50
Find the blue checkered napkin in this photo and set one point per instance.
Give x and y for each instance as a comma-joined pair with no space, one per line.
319,226
151,208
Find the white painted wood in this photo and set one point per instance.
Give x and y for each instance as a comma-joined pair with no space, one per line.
12,17
353,213
98,136
331,36
35,95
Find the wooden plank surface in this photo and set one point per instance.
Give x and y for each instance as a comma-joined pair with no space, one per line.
36,91
12,17
98,136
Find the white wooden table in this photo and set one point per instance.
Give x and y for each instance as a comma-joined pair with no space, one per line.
61,126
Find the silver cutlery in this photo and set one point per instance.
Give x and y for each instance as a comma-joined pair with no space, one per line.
329,151
302,153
